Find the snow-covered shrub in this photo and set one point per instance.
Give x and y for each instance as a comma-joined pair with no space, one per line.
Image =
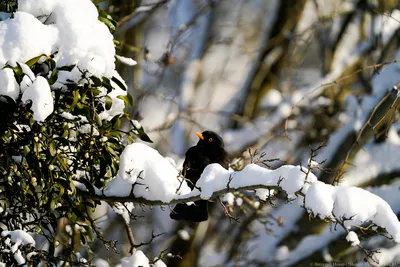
61,104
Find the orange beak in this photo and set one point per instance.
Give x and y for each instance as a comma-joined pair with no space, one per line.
200,135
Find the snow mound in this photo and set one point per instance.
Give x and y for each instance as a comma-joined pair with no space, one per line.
353,205
151,175
42,100
72,34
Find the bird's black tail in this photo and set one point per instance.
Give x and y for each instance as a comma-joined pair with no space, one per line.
195,213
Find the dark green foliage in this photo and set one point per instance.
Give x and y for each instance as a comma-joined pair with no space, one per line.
8,6
40,162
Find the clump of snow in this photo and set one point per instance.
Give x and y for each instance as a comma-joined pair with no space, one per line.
156,177
18,238
126,60
100,263
239,201
42,100
117,106
159,263
352,238
137,259
291,179
313,163
136,124
70,32
264,194
28,78
282,253
184,234
229,198
353,205
386,256
80,38
272,99
8,84
124,210
25,37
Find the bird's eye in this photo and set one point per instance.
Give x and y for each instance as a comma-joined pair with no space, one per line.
210,139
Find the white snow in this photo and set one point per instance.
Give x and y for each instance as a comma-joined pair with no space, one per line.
25,37
272,99
137,259
8,84
124,210
80,37
312,243
264,194
352,238
387,256
158,177
117,106
100,263
40,95
18,237
353,204
159,263
291,179
72,33
184,234
126,60
281,253
26,79
229,198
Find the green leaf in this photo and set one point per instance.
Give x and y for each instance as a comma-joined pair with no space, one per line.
130,99
52,64
83,238
76,96
108,102
18,70
53,77
34,60
106,84
111,151
109,23
116,121
127,99
96,81
52,148
117,43
52,205
119,83
141,133
61,191
98,120
88,185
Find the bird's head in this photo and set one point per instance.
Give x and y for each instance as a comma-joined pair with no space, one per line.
210,139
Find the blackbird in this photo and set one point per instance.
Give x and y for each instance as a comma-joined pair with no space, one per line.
209,149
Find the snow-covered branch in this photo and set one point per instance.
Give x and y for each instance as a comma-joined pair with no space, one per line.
183,199
147,177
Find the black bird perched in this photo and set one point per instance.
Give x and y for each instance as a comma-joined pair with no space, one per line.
209,149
